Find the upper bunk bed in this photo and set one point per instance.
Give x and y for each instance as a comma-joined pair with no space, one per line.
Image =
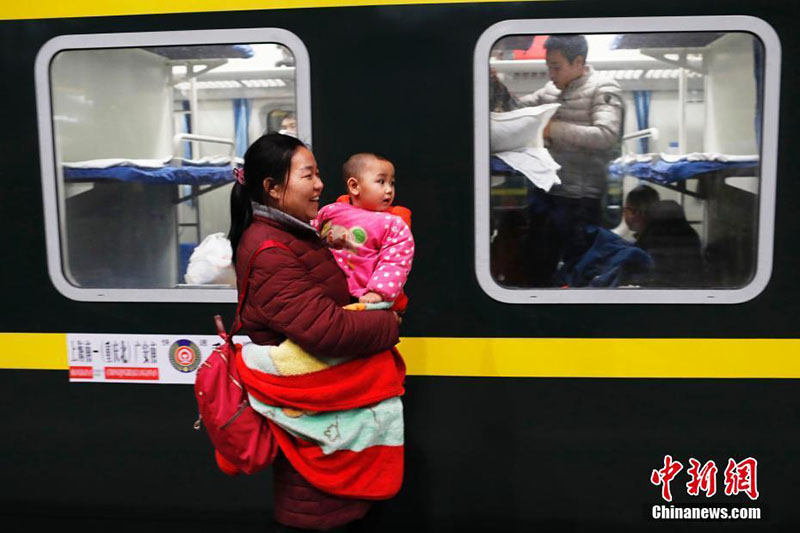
174,169
673,171
668,169
216,170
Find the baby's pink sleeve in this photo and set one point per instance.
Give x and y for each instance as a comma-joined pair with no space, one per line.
394,261
322,214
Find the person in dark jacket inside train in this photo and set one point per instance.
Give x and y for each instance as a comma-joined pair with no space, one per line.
297,294
674,246
637,203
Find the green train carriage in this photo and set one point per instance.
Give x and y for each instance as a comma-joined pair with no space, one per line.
526,406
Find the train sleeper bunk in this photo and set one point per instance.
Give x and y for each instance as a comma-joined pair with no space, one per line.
672,171
206,171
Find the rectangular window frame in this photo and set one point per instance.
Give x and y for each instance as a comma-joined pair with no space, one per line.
53,201
768,158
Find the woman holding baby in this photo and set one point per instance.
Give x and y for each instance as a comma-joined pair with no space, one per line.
327,378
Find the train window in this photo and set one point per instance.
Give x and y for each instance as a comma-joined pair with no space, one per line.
626,160
139,136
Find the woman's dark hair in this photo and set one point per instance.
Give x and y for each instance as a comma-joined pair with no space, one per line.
570,46
268,157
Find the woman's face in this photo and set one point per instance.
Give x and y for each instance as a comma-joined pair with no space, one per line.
299,195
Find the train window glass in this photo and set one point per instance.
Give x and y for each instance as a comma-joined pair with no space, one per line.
140,134
635,165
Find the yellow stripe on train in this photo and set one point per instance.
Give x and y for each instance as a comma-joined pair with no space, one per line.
490,357
101,8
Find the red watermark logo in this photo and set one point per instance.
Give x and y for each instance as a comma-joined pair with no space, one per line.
739,477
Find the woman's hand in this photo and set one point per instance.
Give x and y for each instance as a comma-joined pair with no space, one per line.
397,317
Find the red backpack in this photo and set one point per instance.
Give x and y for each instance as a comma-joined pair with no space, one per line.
241,437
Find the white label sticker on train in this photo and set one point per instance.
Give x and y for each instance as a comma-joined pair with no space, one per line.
120,358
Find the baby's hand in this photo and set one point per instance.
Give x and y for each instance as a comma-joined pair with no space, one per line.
371,298
338,237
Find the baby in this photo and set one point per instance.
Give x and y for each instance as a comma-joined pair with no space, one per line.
370,239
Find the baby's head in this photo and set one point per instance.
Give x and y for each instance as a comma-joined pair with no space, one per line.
369,179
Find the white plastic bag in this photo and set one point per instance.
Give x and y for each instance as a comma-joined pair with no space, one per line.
211,263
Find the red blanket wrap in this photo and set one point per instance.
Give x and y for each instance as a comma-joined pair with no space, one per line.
374,473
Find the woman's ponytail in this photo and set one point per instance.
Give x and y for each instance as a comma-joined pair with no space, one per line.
241,215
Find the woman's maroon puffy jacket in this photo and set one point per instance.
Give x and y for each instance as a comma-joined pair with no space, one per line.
300,295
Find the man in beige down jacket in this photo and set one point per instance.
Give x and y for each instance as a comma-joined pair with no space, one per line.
583,136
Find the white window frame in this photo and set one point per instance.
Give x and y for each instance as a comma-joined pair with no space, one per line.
768,158
53,204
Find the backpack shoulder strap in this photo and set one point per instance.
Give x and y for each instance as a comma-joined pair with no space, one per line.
269,243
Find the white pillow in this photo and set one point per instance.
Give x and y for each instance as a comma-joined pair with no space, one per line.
519,129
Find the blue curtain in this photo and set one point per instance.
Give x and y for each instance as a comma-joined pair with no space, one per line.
187,128
758,67
641,100
241,124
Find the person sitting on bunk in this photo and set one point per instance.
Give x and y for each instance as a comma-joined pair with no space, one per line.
634,211
583,136
673,245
